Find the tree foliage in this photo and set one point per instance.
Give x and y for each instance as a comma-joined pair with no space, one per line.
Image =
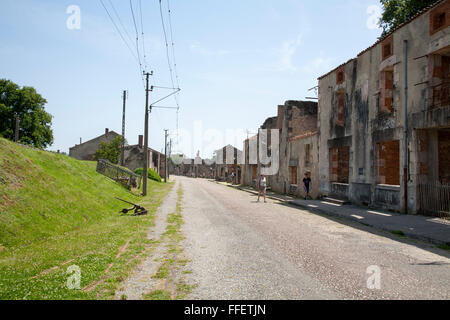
34,121
396,12
109,151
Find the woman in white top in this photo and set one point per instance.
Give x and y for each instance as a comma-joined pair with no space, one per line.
262,186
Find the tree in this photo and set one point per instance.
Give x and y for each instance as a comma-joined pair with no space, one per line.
396,12
109,151
35,122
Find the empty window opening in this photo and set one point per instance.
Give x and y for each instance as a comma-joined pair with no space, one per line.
293,175
340,77
387,48
439,20
254,172
387,90
440,81
388,163
308,154
444,155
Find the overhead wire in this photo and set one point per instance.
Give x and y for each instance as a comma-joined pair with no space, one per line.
143,35
118,31
174,70
137,43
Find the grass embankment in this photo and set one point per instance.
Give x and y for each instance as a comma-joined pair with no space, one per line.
57,212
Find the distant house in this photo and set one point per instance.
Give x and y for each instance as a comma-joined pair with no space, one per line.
228,164
86,150
196,168
134,158
133,154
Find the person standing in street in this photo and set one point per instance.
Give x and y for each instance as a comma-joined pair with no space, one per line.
262,187
307,185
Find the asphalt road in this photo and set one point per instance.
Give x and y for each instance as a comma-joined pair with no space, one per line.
241,249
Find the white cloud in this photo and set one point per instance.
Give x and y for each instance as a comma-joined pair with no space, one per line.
287,52
319,64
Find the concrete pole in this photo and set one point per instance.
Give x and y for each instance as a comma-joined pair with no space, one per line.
144,188
405,131
165,156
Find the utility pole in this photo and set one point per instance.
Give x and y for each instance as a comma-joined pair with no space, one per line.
122,158
147,90
16,131
165,156
170,155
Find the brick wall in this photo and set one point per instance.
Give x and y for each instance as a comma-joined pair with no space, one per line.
388,162
340,164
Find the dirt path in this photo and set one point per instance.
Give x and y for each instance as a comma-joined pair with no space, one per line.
141,281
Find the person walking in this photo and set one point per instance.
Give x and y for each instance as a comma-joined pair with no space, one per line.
307,185
262,187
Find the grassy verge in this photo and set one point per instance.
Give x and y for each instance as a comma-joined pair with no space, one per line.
173,263
58,215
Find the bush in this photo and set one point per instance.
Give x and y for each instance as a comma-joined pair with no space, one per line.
152,174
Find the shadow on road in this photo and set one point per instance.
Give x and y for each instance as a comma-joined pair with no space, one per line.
366,228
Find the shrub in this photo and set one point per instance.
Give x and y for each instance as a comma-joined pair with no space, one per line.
152,174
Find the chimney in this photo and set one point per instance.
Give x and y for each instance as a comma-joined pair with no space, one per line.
141,141
106,132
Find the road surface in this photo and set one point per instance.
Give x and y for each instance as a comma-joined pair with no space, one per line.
241,249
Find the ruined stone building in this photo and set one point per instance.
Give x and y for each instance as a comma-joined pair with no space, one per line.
228,164
196,168
134,158
384,119
298,149
133,154
86,150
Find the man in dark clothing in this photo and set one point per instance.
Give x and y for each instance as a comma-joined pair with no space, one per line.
307,184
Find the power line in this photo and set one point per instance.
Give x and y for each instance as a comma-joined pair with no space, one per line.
118,30
168,59
120,21
122,37
137,42
143,36
167,44
173,44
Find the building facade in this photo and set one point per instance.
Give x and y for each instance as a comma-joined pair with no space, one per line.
298,150
86,150
384,118
228,164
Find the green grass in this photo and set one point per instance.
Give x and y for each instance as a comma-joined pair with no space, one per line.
55,212
398,233
157,295
172,237
152,174
444,247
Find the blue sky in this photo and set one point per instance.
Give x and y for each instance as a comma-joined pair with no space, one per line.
237,60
